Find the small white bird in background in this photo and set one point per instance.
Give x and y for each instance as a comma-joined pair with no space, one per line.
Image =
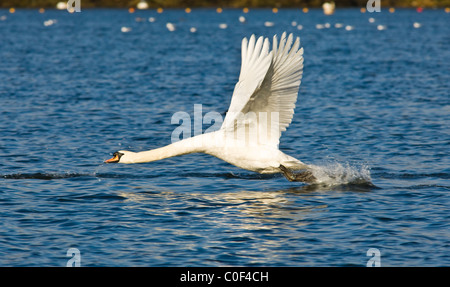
320,26
170,27
49,22
261,108
328,8
142,5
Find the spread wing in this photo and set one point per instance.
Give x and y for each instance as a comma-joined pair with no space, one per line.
256,61
264,99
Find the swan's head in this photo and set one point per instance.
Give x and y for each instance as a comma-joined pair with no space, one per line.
119,156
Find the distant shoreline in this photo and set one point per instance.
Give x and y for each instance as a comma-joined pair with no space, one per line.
211,8
236,4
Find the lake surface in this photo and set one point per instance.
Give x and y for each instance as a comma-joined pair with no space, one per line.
374,104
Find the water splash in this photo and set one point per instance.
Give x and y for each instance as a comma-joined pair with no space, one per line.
336,173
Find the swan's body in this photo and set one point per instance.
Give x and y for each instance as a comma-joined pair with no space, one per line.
262,106
262,159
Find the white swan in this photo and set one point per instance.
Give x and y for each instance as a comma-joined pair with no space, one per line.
261,108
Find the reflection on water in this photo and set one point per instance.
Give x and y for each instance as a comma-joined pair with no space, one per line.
234,226
267,206
254,206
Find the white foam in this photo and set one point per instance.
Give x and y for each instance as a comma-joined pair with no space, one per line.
336,173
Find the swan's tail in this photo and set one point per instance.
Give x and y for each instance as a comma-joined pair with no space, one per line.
294,164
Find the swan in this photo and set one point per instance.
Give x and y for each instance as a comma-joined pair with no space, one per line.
261,108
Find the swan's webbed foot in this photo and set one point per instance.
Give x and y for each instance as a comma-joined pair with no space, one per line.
305,176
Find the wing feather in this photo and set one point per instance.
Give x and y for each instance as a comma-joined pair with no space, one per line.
268,84
256,60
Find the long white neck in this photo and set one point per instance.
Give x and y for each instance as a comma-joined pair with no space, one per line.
185,146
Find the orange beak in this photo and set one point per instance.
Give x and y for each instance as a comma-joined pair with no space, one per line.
113,160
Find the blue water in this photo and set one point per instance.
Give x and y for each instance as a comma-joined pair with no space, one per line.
373,104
